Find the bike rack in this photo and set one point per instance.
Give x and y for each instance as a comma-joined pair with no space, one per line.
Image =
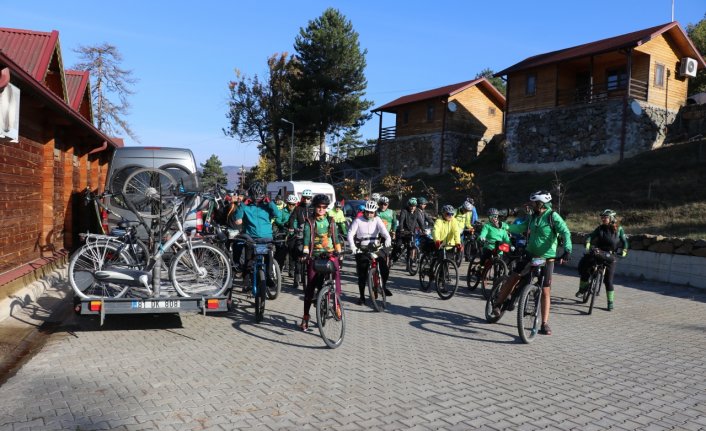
173,304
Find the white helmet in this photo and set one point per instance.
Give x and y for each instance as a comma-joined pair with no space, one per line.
292,199
371,206
375,197
307,193
384,200
467,206
541,196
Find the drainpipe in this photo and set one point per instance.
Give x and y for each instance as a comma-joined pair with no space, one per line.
380,141
103,147
623,129
4,78
444,102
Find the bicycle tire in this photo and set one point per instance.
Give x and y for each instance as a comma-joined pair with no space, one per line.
303,274
326,318
260,296
589,291
148,190
492,298
446,279
498,268
593,288
528,311
93,257
210,275
473,272
424,273
273,292
375,290
413,264
458,258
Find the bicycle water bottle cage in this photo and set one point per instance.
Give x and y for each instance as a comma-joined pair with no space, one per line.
538,261
261,249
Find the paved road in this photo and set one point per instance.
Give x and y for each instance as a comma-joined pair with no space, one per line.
425,364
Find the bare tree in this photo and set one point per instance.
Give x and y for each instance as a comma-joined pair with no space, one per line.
109,79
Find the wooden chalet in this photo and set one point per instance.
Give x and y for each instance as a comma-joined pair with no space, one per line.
55,154
435,129
645,73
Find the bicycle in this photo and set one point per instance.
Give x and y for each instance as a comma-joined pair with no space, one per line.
330,315
257,283
374,282
442,270
486,272
471,244
597,272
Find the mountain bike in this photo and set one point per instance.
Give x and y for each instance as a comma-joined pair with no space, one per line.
261,274
330,315
601,260
486,272
374,282
529,308
441,270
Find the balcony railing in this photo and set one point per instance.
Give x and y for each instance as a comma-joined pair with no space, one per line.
388,133
603,91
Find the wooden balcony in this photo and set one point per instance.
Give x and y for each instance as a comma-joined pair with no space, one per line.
603,91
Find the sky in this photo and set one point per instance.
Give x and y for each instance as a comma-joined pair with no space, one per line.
185,53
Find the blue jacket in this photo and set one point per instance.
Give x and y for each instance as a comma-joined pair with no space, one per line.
257,218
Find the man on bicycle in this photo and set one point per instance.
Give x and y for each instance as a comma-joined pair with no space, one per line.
464,218
320,238
365,230
428,219
446,232
339,217
493,232
410,221
282,223
254,215
387,215
544,226
299,217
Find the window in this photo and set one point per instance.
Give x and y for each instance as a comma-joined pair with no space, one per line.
659,75
616,79
531,84
491,111
430,113
405,117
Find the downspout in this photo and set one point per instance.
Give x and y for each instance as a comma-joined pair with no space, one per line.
103,147
4,78
623,129
444,102
379,148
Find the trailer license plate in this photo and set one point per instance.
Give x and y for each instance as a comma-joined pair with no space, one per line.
154,303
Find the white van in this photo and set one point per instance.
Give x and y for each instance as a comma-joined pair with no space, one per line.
286,188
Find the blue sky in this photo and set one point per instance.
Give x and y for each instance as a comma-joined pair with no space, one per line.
185,53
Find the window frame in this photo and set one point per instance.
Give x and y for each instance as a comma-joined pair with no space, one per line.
430,112
621,78
531,90
659,78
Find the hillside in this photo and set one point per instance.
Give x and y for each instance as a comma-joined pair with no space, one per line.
660,192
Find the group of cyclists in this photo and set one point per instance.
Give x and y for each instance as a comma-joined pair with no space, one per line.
311,230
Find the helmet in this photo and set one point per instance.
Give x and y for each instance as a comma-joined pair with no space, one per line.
448,209
338,204
541,196
307,193
610,214
471,201
256,191
384,200
493,212
320,200
423,201
371,206
468,206
412,202
292,199
375,197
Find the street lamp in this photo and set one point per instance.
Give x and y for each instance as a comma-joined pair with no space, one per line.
291,150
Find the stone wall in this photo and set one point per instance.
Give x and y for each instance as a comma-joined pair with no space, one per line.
411,155
690,123
658,244
573,136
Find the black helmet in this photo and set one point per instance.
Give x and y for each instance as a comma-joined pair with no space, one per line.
256,191
321,199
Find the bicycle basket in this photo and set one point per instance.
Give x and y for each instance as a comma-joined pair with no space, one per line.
261,249
323,266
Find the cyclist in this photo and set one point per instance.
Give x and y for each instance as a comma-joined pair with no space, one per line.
254,215
464,218
320,238
279,202
493,232
365,230
375,197
446,233
339,217
428,219
387,215
297,219
543,226
608,236
474,213
282,223
410,221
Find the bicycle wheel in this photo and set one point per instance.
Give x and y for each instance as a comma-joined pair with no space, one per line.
425,272
276,275
375,290
446,279
96,257
413,263
458,258
332,327
528,311
473,273
490,303
469,250
593,289
200,270
498,268
149,190
260,296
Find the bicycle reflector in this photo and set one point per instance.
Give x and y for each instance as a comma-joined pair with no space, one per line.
504,247
211,304
94,306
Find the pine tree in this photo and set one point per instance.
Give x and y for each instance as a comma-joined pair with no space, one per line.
212,173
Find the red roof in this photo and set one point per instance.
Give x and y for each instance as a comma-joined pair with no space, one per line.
445,91
628,40
31,50
76,86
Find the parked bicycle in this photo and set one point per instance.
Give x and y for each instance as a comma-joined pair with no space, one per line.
440,270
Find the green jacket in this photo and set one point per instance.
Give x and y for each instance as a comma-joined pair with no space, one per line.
494,235
542,239
389,219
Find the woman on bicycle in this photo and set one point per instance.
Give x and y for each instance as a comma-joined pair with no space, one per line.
446,230
609,237
297,220
320,238
493,232
364,230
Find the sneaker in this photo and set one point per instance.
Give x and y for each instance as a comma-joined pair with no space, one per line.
610,306
305,323
496,312
388,292
545,330
579,293
361,301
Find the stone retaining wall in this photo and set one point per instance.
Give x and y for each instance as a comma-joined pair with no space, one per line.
658,244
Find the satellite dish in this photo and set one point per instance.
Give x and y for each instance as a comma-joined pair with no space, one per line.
636,108
452,106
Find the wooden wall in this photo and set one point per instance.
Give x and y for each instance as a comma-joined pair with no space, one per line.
673,94
545,95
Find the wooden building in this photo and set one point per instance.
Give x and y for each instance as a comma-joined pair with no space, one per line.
437,128
56,154
644,72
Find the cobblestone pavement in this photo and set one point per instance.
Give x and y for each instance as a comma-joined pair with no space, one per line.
424,364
